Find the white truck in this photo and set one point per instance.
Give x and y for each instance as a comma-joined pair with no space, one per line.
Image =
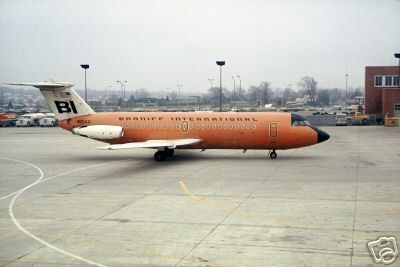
341,119
28,120
48,121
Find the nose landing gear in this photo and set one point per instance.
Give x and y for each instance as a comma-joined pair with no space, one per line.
273,154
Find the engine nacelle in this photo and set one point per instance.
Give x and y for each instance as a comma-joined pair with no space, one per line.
100,131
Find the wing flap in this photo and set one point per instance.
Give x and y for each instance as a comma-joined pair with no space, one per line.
154,144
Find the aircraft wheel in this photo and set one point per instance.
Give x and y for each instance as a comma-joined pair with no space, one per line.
170,152
159,156
273,155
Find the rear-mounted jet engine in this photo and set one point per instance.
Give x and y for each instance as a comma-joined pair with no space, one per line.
100,131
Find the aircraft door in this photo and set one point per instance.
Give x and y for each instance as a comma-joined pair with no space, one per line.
273,129
273,132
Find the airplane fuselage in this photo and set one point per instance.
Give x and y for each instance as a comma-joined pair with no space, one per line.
227,130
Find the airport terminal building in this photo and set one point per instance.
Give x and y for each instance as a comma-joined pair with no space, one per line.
382,91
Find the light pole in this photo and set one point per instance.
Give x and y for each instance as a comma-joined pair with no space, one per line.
220,64
122,83
179,95
85,67
105,97
2,100
211,82
234,89
240,87
347,75
211,92
125,94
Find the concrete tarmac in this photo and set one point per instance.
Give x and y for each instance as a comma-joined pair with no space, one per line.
314,206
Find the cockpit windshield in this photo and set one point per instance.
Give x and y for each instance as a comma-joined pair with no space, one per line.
298,120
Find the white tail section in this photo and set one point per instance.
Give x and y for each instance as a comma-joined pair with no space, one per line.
63,101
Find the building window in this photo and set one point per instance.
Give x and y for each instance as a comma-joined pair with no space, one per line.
396,80
397,107
378,80
388,80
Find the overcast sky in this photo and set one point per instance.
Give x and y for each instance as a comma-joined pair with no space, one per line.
158,44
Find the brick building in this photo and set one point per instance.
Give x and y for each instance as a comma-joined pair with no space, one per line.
382,91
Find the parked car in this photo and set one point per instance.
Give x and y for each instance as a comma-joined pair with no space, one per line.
357,118
341,119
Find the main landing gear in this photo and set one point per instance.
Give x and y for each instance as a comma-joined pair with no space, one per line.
162,155
273,154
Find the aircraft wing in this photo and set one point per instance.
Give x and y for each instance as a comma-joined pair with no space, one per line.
154,144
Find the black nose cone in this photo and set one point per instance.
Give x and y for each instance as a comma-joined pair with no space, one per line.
322,136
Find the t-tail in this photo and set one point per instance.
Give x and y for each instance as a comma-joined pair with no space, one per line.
63,101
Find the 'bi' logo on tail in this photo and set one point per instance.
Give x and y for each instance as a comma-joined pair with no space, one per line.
66,106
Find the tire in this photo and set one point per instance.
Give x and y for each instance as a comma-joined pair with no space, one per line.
159,156
273,155
170,152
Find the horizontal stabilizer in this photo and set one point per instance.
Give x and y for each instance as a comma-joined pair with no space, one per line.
171,144
47,85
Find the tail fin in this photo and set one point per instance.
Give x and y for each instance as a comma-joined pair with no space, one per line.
63,101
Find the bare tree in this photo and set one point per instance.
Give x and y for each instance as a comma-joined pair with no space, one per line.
324,97
336,95
141,93
265,92
288,94
214,95
309,86
226,93
254,94
173,96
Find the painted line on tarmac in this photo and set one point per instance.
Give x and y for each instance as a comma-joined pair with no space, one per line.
260,217
9,195
38,180
58,175
77,241
241,213
110,246
392,210
20,227
30,164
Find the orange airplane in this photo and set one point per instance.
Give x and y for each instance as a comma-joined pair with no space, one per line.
166,131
